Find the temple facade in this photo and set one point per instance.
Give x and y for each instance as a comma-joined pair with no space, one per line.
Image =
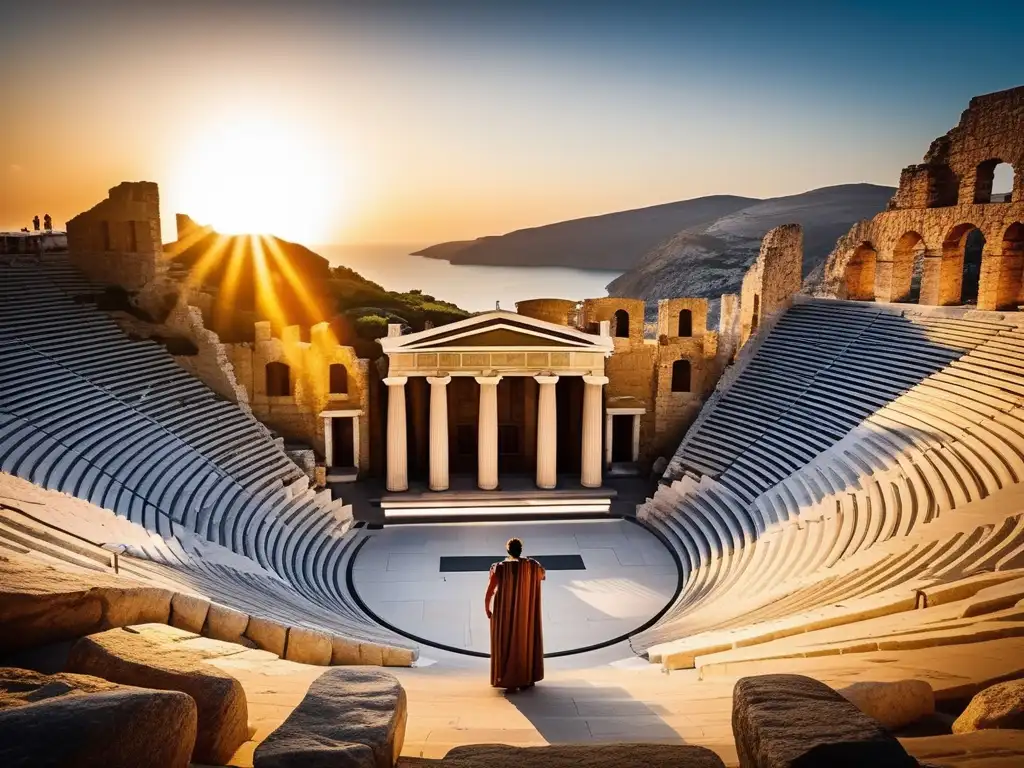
506,392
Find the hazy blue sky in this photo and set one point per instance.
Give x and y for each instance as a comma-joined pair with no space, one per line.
424,121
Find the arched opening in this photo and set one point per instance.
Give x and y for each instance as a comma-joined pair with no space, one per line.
860,273
960,273
755,315
621,324
907,266
685,322
993,182
278,380
338,379
943,187
681,376
974,245
1010,286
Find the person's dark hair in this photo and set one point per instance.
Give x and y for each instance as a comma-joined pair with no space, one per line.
514,547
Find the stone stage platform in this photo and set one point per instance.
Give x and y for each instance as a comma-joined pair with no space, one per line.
518,498
627,578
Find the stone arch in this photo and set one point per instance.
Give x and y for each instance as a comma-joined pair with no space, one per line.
685,322
989,173
907,266
1010,268
943,186
960,272
338,379
860,273
279,382
681,373
621,323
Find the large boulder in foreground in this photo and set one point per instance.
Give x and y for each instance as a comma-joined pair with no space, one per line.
75,720
130,657
40,604
351,717
580,756
998,706
893,705
791,721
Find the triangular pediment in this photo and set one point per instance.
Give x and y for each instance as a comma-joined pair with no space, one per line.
503,338
498,331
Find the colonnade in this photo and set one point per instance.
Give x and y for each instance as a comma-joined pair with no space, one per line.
487,432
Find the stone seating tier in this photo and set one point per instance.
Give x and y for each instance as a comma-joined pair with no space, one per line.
93,414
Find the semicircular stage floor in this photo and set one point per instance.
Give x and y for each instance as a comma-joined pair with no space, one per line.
606,578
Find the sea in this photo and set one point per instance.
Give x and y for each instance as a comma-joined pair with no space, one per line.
472,287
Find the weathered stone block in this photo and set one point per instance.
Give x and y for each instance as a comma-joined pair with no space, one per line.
308,646
267,634
189,612
351,716
344,651
582,756
998,706
790,721
40,604
895,704
82,721
223,623
127,657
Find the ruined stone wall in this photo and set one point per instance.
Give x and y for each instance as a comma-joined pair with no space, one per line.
556,311
296,416
212,364
594,311
938,204
675,410
117,241
772,279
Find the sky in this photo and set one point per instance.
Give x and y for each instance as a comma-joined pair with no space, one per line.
420,121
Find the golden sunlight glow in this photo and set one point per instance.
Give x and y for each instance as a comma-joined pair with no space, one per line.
259,175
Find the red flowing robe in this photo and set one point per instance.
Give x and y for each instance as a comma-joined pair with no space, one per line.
517,643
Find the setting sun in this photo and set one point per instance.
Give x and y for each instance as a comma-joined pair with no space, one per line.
258,175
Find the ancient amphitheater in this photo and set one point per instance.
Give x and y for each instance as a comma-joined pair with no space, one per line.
845,513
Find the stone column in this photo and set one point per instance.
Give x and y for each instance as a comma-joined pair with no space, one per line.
398,472
636,436
439,432
593,392
487,434
547,433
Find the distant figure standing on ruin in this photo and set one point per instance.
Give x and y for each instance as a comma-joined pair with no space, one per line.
517,642
47,223
35,222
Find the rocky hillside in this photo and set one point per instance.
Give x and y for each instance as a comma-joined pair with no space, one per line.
262,277
709,259
611,241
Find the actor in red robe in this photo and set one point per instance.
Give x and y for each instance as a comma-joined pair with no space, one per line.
517,644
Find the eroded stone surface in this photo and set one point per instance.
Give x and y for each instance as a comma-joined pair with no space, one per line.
999,706
189,612
783,721
308,646
573,756
894,704
40,604
351,716
130,657
82,721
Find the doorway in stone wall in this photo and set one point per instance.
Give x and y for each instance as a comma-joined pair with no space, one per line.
622,438
342,433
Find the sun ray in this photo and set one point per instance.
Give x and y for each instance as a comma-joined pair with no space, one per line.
267,303
228,293
295,281
207,261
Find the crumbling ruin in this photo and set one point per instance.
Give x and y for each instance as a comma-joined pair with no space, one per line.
945,238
